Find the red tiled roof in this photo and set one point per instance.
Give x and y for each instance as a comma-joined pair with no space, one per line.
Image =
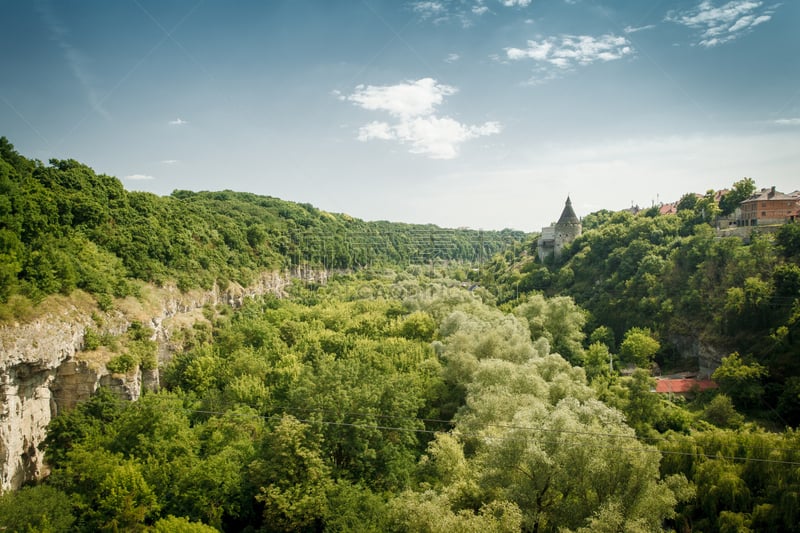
668,209
684,385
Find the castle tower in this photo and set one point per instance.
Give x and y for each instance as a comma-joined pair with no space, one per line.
554,238
567,229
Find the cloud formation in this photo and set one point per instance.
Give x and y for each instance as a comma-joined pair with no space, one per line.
788,122
632,29
719,25
404,99
461,11
429,10
139,177
413,106
178,122
568,51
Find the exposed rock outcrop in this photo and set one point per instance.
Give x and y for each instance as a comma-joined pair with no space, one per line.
42,371
707,357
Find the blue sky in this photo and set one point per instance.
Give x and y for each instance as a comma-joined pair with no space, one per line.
477,113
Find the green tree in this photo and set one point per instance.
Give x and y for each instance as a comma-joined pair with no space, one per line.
598,361
559,320
740,379
294,478
740,191
721,412
40,508
638,347
172,524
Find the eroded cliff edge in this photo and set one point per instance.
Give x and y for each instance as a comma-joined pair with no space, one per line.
42,371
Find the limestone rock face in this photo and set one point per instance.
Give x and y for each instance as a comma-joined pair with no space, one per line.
42,373
30,355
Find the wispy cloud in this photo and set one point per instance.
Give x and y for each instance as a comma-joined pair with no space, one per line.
169,161
429,10
464,12
178,122
788,122
568,51
452,58
139,177
719,25
632,29
77,61
413,105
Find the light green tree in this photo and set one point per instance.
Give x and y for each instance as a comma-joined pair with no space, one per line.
638,347
740,379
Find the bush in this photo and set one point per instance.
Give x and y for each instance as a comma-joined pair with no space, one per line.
91,340
721,412
122,363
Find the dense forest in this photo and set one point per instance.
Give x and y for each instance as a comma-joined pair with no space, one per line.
422,388
63,227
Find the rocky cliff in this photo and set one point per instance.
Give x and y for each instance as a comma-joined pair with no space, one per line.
42,368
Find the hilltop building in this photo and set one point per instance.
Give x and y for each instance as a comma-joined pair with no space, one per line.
554,238
769,207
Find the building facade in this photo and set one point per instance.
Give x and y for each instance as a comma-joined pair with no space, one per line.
769,207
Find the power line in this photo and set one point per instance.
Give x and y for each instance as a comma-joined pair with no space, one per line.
648,447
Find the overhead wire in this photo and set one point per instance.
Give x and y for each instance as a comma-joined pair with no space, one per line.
648,447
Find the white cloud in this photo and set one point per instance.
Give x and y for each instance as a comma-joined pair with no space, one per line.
788,122
632,29
169,161
376,130
463,12
413,105
438,138
452,58
567,51
139,177
428,10
719,25
177,122
404,99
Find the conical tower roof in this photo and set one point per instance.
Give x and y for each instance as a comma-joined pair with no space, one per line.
568,216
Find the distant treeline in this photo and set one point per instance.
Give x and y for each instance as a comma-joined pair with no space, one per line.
62,227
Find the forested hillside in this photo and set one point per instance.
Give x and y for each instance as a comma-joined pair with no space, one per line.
674,277
421,388
63,227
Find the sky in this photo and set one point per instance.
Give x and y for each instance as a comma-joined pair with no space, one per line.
463,113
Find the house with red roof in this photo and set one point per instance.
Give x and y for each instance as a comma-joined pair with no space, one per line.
683,386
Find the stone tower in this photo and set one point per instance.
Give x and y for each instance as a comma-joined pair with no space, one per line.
554,238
